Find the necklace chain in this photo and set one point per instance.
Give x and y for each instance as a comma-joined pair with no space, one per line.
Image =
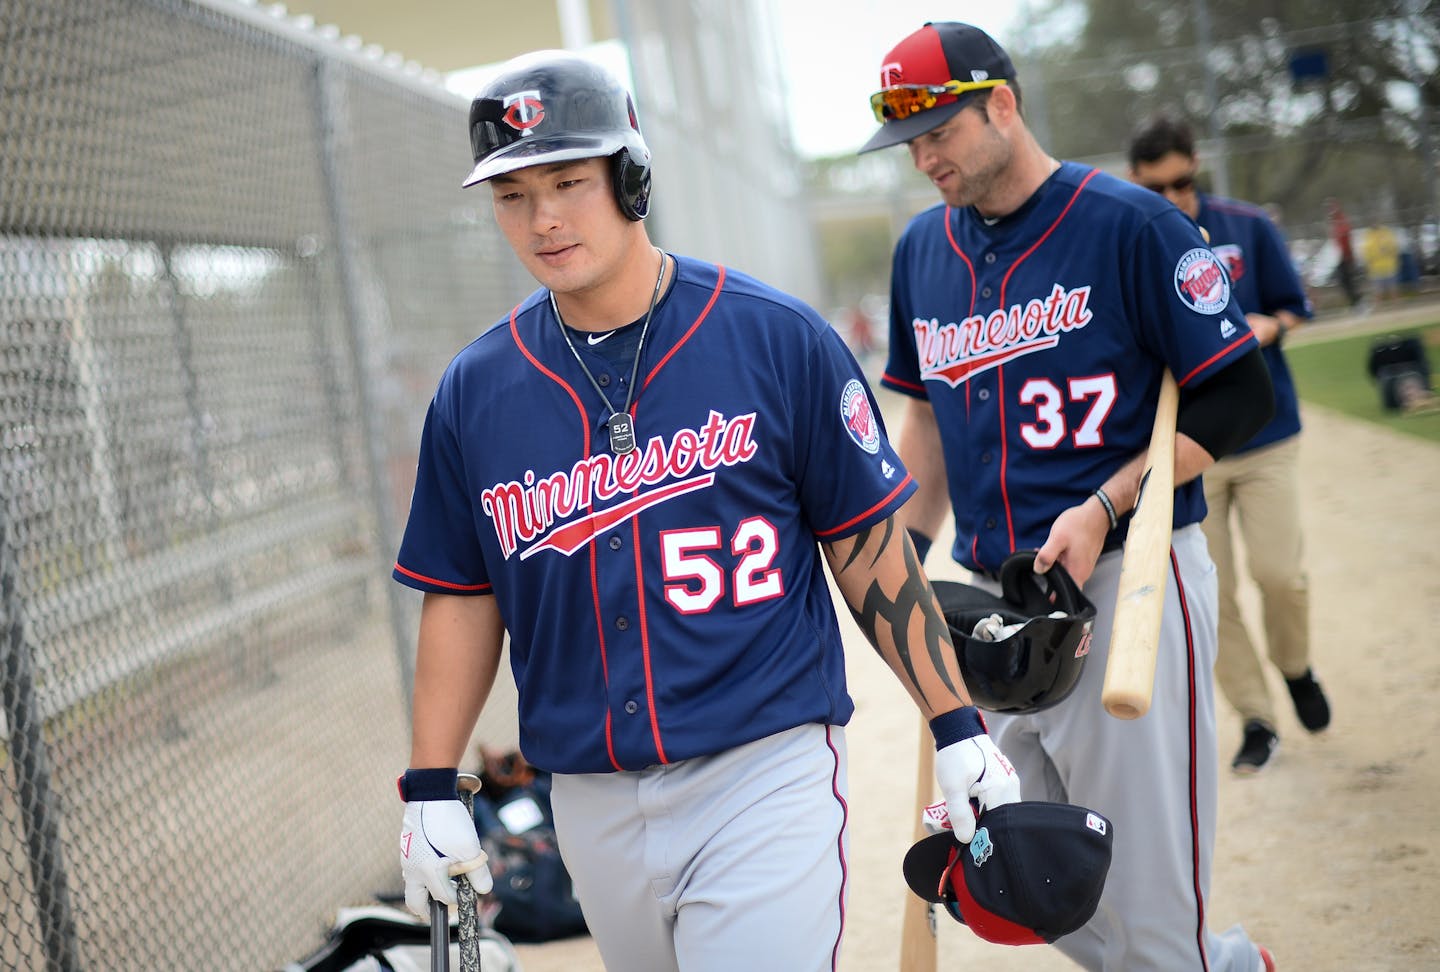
621,423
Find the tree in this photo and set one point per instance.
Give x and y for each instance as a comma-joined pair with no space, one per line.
1363,130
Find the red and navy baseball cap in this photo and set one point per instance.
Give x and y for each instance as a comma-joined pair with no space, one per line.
932,74
1033,872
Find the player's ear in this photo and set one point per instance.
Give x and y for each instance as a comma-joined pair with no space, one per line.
1002,101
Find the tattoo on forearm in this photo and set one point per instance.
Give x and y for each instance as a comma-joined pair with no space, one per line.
914,595
863,537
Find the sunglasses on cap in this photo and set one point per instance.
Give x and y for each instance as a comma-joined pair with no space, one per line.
1177,185
903,100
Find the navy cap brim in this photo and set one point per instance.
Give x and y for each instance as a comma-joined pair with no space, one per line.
926,863
897,132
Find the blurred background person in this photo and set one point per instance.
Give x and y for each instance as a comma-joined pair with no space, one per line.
1258,484
1380,249
1345,267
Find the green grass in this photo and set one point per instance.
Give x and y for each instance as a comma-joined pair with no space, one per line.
1334,374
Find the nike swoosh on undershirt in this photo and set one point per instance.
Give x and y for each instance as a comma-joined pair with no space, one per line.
597,338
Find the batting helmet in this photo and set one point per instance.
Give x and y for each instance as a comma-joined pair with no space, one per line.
1031,657
553,106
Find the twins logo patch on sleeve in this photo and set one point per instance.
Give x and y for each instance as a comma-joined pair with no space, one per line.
1201,282
859,418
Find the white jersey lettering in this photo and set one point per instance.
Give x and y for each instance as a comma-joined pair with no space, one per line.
524,511
954,353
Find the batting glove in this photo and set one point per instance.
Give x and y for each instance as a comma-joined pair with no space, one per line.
970,767
437,843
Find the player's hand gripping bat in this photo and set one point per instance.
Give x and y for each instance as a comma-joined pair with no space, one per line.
1140,601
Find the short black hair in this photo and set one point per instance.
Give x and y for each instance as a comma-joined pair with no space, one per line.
1160,135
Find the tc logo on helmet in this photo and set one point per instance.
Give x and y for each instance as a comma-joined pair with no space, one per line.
523,111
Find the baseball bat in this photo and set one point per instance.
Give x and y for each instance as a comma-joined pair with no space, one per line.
1140,599
469,921
917,930
468,785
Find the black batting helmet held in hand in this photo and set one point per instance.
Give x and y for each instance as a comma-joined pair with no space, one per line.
554,106
1030,658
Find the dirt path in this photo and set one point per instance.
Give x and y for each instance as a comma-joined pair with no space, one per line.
1331,856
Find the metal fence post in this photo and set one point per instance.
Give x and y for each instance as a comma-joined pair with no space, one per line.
328,95
39,811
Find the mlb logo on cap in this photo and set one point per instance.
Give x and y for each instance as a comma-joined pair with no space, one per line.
1033,872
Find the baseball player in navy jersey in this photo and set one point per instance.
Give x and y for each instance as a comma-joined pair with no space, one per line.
639,475
1033,314
1259,483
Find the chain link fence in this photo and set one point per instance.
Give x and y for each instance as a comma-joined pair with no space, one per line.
234,259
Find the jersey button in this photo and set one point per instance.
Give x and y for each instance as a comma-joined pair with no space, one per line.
989,523
985,292
989,258
622,623
983,394
616,543
985,458
632,707
604,380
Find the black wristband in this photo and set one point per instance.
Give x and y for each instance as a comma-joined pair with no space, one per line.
429,784
922,543
1109,508
957,725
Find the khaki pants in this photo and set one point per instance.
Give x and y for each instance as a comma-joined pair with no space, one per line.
1261,490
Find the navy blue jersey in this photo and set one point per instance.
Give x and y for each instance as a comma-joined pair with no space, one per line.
1263,280
670,602
1041,338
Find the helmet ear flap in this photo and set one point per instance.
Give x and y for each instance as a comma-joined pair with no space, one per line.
632,185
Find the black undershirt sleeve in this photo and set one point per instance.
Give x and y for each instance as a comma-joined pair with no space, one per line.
1228,408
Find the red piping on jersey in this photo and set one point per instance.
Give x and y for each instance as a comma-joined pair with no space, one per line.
635,533
440,583
1000,369
1005,281
594,580
860,516
645,643
950,235
892,380
970,267
1194,784
839,844
1214,357
705,312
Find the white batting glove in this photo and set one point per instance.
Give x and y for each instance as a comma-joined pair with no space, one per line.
974,768
438,841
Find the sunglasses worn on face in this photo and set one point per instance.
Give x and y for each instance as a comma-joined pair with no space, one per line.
904,100
1178,185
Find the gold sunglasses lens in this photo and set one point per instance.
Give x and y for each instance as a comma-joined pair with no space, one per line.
903,101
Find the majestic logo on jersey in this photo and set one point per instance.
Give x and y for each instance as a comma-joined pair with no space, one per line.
1233,257
529,511
859,417
1201,282
955,353
523,111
